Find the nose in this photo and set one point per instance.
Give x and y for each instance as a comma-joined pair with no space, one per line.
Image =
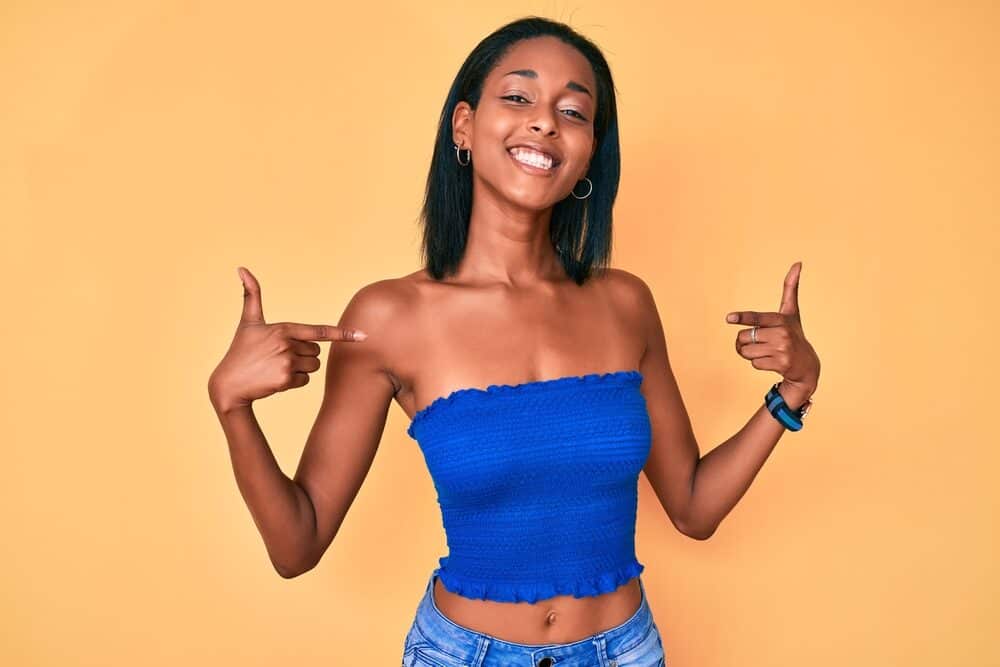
544,123
545,128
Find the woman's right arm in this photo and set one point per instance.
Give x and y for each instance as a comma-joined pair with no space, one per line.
298,518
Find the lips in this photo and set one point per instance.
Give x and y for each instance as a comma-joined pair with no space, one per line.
539,148
533,169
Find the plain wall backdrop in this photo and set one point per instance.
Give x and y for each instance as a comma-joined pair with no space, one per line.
149,148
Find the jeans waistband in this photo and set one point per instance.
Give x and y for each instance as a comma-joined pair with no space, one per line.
469,645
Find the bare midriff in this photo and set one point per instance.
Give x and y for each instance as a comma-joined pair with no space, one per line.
557,620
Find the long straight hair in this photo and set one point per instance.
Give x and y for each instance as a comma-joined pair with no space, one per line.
579,229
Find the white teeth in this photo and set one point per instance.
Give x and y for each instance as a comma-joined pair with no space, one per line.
531,157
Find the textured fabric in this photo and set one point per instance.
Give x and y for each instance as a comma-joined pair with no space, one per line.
538,484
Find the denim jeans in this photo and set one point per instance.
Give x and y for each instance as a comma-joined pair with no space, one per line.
434,640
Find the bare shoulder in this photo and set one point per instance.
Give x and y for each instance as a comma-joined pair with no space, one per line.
380,301
382,309
631,293
634,304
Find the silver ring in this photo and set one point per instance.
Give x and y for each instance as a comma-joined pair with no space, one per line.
753,335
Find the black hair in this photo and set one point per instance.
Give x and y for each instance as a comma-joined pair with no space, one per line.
580,229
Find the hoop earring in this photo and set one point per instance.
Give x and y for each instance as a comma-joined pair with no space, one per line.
459,157
573,191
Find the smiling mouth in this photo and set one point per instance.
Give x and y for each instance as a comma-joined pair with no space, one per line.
532,162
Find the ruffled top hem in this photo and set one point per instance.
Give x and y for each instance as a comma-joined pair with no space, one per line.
533,592
471,393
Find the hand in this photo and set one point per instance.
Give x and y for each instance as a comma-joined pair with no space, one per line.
781,345
267,358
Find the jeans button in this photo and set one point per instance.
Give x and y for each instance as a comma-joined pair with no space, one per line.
545,662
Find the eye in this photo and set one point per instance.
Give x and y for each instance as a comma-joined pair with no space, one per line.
574,111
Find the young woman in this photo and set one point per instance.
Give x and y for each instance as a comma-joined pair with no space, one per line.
535,376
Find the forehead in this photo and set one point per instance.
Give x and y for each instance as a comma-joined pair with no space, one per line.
553,59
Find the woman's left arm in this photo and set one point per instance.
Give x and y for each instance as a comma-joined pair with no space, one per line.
697,492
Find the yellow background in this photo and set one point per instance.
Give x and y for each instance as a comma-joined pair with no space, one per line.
148,148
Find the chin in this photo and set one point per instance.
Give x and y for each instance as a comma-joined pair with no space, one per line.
534,203
534,196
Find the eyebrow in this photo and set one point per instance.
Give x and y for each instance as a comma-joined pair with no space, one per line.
532,74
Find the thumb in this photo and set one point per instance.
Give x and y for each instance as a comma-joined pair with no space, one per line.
790,291
252,309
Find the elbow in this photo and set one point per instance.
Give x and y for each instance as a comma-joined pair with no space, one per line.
292,571
286,573
702,535
697,532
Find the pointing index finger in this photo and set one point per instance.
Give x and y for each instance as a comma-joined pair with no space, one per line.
324,332
755,318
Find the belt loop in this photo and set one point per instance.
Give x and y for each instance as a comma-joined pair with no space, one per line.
600,642
477,661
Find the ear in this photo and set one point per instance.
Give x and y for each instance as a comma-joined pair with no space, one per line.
461,124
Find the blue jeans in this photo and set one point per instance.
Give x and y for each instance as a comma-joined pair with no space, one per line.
434,640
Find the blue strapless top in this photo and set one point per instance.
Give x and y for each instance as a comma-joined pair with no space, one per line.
538,484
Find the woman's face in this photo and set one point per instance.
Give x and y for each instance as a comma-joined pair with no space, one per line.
542,92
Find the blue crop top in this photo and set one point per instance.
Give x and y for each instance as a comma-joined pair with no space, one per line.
538,484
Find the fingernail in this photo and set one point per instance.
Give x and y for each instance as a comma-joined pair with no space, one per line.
359,335
731,317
